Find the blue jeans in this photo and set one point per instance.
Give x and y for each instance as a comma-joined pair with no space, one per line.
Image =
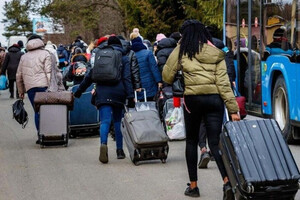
107,113
31,95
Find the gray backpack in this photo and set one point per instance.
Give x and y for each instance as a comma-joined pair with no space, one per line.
107,65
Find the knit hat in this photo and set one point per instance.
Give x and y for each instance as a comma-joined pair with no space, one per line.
20,43
160,36
114,40
100,40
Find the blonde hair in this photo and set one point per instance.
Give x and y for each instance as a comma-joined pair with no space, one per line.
133,36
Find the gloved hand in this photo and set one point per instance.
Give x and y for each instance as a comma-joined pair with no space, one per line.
131,103
77,94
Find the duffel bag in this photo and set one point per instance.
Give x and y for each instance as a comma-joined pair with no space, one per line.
63,97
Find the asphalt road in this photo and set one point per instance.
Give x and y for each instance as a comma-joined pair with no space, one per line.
74,172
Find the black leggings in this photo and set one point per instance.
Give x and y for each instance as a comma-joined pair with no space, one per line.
12,89
210,108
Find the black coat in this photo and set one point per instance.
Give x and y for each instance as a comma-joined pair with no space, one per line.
115,94
164,49
134,65
228,59
11,62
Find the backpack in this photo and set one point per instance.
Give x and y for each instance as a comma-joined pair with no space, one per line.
80,68
19,113
107,65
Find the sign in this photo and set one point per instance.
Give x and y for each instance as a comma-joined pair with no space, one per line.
46,25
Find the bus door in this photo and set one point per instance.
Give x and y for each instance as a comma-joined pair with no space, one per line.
243,37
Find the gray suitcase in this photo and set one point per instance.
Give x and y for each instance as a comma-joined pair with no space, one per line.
53,128
144,135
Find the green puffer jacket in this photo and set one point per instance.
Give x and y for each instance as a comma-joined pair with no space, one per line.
206,74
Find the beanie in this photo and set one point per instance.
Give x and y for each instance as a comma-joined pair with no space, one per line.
20,43
160,36
176,36
114,40
100,40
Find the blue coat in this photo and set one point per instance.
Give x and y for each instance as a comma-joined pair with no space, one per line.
149,73
110,93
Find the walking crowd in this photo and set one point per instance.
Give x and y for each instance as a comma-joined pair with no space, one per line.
130,67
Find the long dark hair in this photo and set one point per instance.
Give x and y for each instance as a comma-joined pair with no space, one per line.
194,34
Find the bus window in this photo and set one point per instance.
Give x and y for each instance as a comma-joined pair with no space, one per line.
297,43
278,29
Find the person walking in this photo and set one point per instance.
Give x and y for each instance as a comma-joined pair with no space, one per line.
33,74
207,87
149,72
110,100
10,66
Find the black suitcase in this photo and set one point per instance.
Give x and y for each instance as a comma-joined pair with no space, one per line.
258,161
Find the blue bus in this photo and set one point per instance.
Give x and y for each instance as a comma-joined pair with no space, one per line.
265,38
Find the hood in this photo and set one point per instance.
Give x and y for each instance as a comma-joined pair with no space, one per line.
14,49
210,54
218,43
126,45
167,43
34,44
49,46
119,48
60,48
79,57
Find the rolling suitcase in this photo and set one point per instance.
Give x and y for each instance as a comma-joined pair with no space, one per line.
144,135
84,118
53,128
258,161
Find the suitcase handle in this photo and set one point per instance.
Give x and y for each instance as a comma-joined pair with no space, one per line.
274,189
145,95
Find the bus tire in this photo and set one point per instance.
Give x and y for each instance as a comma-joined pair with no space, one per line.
280,107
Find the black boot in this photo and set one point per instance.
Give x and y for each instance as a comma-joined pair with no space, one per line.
120,154
192,192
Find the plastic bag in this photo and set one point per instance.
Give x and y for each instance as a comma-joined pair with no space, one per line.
175,124
3,82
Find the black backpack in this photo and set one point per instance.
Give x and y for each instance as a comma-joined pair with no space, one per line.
107,65
19,113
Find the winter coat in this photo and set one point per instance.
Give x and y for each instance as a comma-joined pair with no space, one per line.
149,73
2,57
228,58
35,67
11,62
115,94
64,54
134,65
205,74
164,49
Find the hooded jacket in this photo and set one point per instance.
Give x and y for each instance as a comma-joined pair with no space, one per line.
11,62
205,74
35,67
164,49
115,94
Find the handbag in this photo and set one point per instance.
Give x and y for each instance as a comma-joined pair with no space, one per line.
3,82
178,83
19,113
241,101
63,97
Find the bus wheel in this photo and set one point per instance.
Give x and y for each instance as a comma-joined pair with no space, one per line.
281,109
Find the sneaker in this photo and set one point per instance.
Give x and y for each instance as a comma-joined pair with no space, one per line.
103,154
120,154
192,192
228,193
204,159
